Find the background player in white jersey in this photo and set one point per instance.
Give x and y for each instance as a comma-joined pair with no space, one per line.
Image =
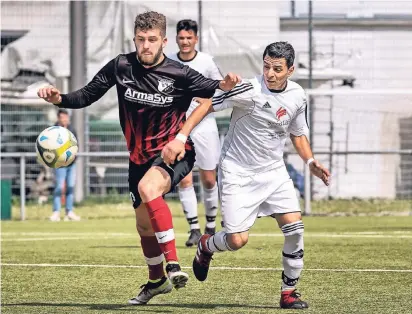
253,179
205,136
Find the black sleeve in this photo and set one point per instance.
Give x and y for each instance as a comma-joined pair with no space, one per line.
198,85
93,91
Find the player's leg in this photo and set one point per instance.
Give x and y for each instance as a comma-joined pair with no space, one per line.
187,196
70,181
284,206
59,176
157,283
240,200
207,144
211,198
157,181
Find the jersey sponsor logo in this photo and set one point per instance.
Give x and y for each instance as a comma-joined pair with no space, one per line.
281,123
165,85
267,105
277,135
157,100
280,113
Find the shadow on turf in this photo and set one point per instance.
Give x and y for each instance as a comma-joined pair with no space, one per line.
145,308
126,247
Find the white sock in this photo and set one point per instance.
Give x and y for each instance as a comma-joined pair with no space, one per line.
189,202
218,243
211,200
292,254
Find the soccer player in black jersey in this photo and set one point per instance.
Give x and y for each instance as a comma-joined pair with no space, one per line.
154,94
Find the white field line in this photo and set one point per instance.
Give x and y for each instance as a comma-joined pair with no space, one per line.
349,270
55,236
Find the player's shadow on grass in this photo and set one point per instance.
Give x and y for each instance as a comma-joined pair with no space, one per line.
147,308
127,247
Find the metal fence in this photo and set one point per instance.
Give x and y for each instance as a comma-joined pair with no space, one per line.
39,189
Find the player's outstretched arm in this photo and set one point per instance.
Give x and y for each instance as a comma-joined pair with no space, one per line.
85,96
176,148
302,146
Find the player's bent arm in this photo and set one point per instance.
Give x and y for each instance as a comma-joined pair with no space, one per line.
302,146
93,91
202,110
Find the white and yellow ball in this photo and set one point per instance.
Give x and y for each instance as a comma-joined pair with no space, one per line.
56,147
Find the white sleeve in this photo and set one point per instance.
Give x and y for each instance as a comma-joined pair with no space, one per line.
213,71
299,126
239,96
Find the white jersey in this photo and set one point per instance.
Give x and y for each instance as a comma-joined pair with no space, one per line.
204,64
260,124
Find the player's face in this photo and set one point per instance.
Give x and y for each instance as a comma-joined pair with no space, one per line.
149,46
186,40
63,119
276,72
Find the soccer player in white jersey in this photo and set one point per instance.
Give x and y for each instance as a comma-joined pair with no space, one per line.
205,137
253,180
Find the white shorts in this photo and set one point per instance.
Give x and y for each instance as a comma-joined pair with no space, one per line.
207,144
245,198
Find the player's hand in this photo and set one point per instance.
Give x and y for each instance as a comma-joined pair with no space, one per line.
172,151
50,94
320,171
229,81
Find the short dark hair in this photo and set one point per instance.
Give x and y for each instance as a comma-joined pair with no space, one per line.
187,25
150,20
281,49
62,111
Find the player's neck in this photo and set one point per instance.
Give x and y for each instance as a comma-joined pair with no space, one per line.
186,57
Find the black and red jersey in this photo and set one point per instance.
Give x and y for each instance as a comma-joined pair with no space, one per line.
152,102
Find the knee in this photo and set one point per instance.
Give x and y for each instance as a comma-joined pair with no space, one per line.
144,229
148,190
69,190
209,183
209,179
57,191
236,241
187,182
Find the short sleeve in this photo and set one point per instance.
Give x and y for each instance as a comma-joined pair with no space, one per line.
299,126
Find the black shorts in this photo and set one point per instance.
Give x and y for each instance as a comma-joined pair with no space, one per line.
177,172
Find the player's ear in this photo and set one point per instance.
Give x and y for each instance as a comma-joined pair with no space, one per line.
164,42
291,70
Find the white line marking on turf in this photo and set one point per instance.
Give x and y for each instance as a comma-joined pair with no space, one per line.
353,270
82,236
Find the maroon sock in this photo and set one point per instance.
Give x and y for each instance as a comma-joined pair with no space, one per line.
153,256
162,224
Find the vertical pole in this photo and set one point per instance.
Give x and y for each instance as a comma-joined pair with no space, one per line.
77,80
308,179
200,23
331,125
23,187
293,8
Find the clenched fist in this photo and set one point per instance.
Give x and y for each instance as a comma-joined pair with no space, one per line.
50,94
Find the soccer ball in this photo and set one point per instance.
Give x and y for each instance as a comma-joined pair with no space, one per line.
56,147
